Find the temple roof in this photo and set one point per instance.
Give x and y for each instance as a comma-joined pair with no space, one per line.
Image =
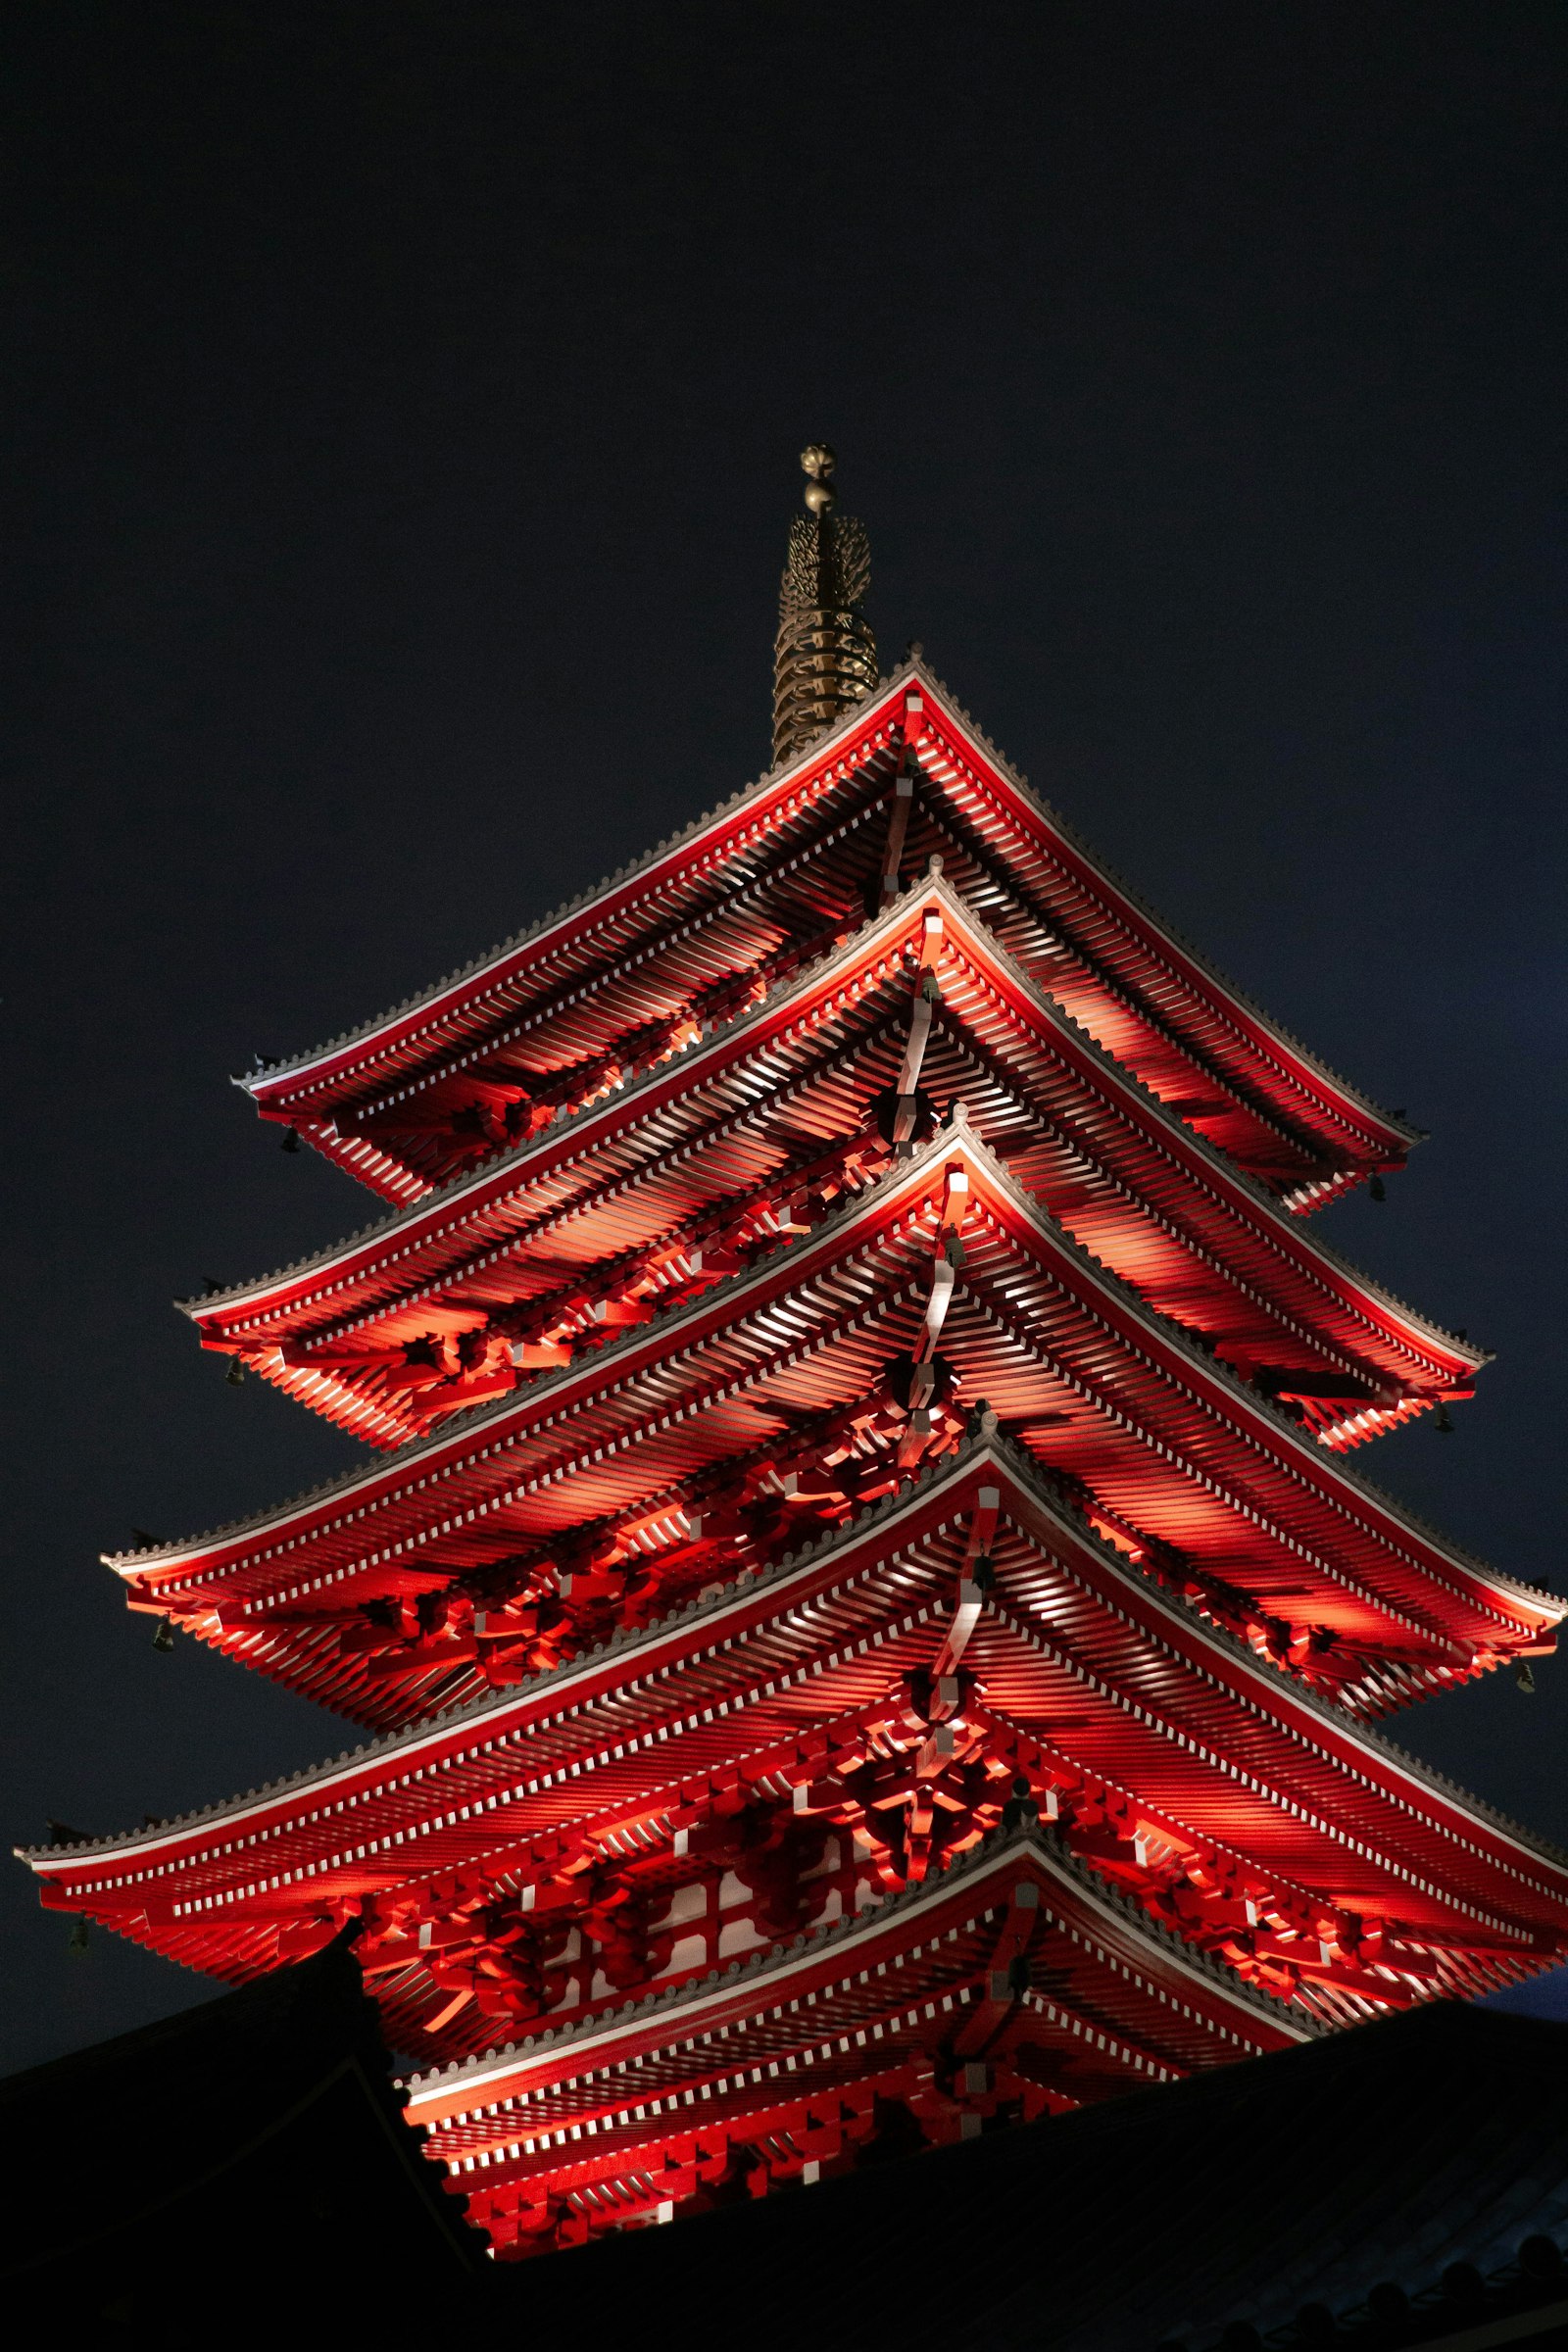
1153,998
1216,2019
1117,1679
193,2157
1098,1383
1406,2183
741,1106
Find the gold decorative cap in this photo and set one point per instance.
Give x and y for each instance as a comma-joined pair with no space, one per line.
819,461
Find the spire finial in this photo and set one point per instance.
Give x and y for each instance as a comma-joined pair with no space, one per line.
818,463
825,654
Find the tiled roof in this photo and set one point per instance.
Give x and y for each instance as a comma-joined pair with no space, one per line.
1315,2175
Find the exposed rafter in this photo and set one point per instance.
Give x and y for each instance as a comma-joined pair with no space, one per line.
868,1624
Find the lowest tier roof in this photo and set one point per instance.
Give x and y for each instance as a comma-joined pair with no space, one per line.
1014,1982
696,1412
433,1087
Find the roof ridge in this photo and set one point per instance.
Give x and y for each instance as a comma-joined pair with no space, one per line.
853,717
1134,897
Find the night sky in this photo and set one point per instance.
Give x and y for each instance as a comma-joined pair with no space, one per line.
401,408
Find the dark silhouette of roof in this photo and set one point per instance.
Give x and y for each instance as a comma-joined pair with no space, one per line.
247,2162
243,2159
1191,2213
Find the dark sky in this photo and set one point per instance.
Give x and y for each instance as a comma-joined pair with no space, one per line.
402,405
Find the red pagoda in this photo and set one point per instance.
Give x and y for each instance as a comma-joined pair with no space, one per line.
862,1610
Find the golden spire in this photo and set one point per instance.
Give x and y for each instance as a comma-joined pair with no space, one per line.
824,657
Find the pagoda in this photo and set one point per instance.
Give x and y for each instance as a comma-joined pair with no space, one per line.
865,1613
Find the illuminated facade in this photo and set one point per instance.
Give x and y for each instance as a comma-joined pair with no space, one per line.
865,1616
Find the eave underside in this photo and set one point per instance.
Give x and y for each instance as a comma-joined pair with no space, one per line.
799,861
1008,1992
672,1451
784,1753
649,1198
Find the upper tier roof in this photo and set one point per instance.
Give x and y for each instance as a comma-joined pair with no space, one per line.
614,1207
423,1091
1161,1437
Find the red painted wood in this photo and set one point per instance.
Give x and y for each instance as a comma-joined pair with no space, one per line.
868,1625
801,844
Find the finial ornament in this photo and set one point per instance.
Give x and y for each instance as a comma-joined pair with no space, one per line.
825,654
819,461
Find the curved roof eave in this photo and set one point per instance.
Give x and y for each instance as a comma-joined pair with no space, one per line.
991,1446
448,991
960,1136
450,1195
447,994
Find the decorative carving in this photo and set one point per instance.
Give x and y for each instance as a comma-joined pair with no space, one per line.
825,654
